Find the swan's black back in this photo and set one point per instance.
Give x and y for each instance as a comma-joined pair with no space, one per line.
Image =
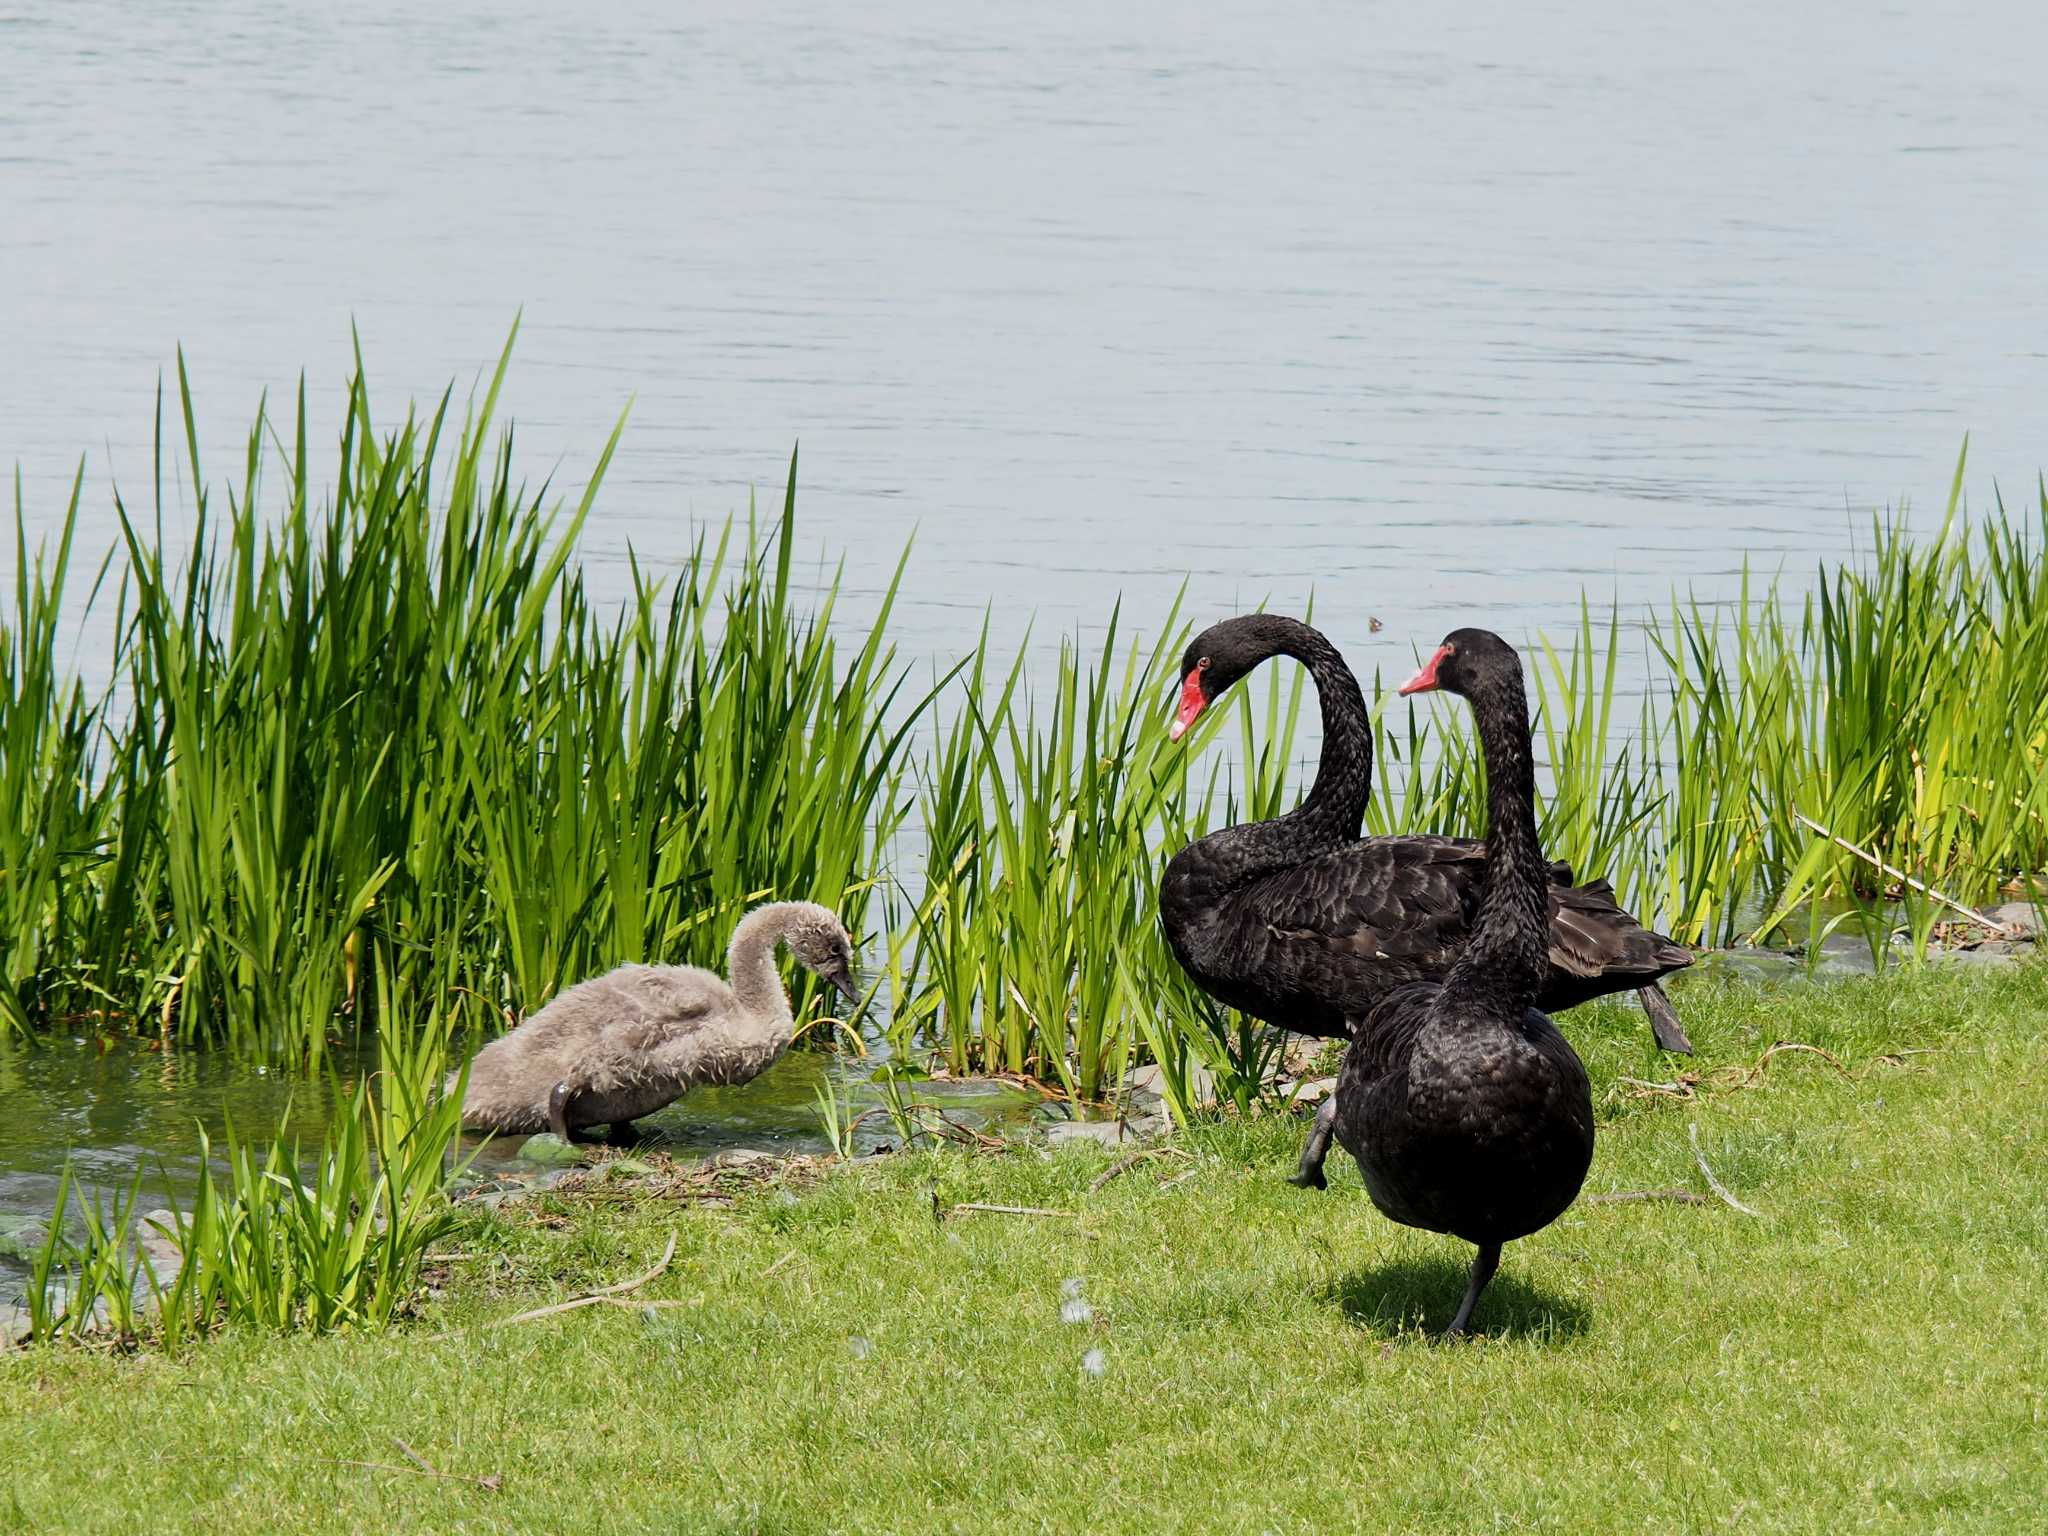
1315,947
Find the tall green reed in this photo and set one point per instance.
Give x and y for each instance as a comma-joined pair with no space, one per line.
1906,711
1901,703
389,712
55,806
383,714
1040,814
285,1235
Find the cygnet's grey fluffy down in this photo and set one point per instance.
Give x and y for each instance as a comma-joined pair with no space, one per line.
622,1045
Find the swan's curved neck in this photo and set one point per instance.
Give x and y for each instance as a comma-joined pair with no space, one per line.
751,969
1333,811
1334,807
1506,962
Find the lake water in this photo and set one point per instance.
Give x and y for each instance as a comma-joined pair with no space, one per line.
1437,313
116,1108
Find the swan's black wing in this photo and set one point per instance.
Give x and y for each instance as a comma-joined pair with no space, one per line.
1395,899
1379,1053
1319,945
1314,947
1596,947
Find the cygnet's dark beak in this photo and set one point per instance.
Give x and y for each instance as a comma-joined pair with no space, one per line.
845,986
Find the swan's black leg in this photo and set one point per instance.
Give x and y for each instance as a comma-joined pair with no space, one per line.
1664,1020
1483,1267
1309,1174
558,1110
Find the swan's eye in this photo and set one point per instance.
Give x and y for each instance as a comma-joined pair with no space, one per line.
1202,665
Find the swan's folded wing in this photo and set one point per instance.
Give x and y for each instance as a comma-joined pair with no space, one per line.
1401,899
1591,935
628,1009
659,1013
1385,1041
1410,902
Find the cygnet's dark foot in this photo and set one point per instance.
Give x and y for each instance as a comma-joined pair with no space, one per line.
558,1111
1306,1177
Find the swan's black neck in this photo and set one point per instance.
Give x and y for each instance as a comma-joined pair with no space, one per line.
1333,811
1507,960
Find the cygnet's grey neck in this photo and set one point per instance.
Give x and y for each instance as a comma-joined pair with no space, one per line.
751,967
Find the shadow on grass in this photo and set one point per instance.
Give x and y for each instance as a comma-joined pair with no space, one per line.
1424,1293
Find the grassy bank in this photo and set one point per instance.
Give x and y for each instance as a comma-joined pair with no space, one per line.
379,720
1865,1354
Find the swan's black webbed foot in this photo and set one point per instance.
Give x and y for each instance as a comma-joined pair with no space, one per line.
1664,1023
558,1111
1308,1174
1483,1266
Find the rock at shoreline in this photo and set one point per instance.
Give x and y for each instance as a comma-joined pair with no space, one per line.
2022,917
1845,954
1990,952
549,1148
15,1325
1312,1092
1067,1132
21,1236
1151,1079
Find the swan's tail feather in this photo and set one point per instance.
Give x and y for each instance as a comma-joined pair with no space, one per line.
1664,1020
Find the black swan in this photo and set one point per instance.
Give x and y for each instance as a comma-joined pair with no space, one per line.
1299,922
1466,1109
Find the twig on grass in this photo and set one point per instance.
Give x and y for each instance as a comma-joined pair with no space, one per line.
1005,1210
1713,1183
1793,1045
1117,1169
1898,1058
604,1297
417,1459
489,1484
1680,1089
1624,1196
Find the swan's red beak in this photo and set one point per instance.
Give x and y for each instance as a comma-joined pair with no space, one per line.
1191,704
1425,680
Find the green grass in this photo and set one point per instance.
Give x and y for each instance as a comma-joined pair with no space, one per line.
1869,1353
